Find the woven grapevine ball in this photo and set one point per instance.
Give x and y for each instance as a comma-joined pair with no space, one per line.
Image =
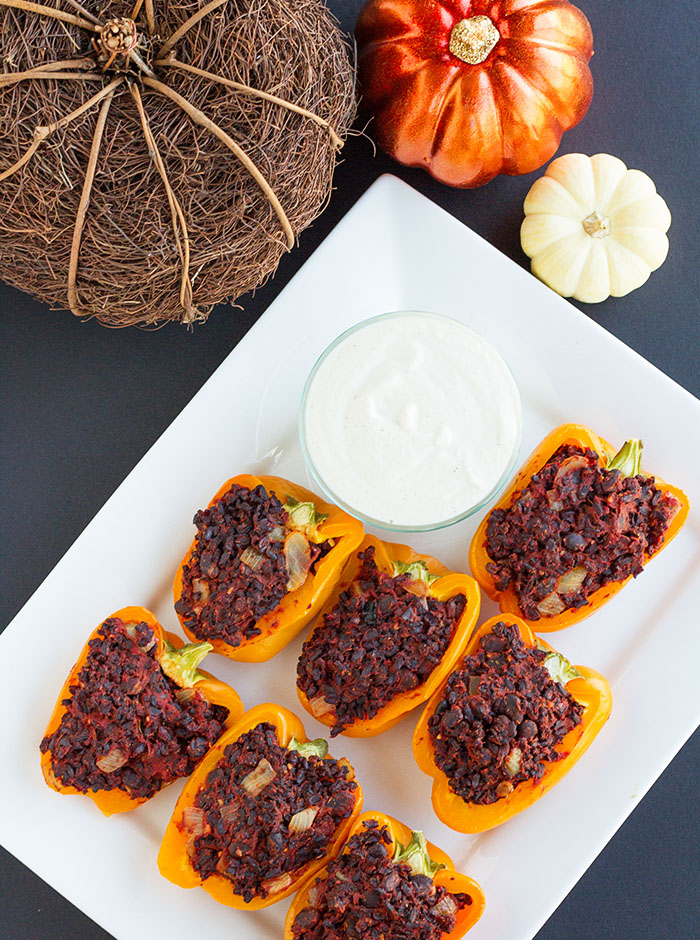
159,156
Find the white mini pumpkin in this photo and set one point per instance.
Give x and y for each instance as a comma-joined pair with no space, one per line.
593,228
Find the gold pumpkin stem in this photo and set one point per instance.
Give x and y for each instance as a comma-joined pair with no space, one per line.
472,40
179,222
200,118
50,11
596,225
84,203
254,92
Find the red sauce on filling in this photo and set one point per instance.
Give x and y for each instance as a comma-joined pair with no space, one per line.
500,718
245,835
574,517
367,895
380,640
124,727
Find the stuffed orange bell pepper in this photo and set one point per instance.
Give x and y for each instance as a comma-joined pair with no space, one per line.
266,555
506,725
576,524
262,813
134,714
392,629
387,882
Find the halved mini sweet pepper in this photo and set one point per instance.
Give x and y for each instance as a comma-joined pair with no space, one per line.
627,461
177,661
408,847
310,522
174,860
586,686
430,578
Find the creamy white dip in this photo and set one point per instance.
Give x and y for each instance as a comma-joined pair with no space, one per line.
411,419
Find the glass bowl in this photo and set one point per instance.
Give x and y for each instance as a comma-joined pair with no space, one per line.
362,372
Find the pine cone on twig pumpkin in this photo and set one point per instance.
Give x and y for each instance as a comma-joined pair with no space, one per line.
159,156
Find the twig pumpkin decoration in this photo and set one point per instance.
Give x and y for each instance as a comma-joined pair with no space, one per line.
159,156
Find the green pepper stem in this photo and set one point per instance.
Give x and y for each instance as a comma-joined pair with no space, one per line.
628,459
416,855
417,570
316,748
304,516
180,665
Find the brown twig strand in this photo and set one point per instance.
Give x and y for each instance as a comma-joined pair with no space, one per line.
199,117
86,13
84,203
187,25
41,132
255,92
178,217
53,70
50,11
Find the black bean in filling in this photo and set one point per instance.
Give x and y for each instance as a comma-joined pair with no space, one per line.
368,896
127,726
573,529
380,640
500,718
257,838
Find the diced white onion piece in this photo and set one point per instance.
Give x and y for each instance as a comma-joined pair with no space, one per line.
252,559
319,706
303,820
201,587
184,695
229,812
446,906
149,646
556,504
513,761
314,894
552,604
194,821
281,883
297,556
571,580
256,781
504,788
276,534
111,761
418,587
570,465
130,629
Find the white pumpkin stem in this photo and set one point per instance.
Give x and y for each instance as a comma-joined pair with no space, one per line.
473,39
596,225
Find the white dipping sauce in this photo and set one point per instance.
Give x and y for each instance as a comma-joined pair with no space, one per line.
411,419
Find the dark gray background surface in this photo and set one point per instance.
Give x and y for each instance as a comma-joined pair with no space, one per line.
81,404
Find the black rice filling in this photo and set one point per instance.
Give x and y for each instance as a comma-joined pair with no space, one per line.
223,597
123,710
379,641
368,896
500,718
574,515
247,837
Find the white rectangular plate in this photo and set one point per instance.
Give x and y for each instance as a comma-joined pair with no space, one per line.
394,250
